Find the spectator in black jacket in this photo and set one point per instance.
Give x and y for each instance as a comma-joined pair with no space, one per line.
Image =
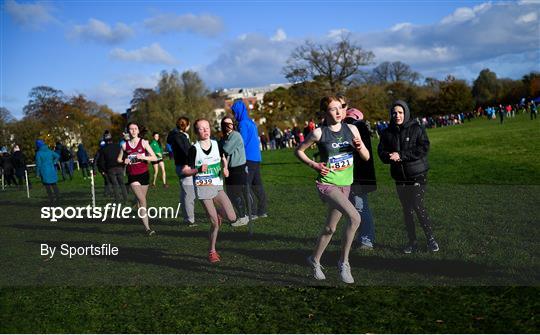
107,186
405,145
178,139
8,169
113,170
364,181
19,163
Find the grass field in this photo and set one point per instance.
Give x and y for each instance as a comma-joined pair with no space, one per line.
482,196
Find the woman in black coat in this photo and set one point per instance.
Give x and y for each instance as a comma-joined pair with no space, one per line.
405,145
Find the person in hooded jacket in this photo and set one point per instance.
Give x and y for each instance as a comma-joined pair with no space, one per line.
250,136
46,160
405,145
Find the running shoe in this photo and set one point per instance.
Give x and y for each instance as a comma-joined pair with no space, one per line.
150,232
190,224
165,185
410,248
345,273
317,269
240,222
432,245
213,257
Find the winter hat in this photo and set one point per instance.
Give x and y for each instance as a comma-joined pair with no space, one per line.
354,114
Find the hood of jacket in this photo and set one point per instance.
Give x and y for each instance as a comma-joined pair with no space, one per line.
406,112
43,147
240,111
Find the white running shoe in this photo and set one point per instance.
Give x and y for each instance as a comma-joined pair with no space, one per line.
345,273
240,222
317,269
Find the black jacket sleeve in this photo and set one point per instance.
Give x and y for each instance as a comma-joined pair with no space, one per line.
192,153
419,150
383,148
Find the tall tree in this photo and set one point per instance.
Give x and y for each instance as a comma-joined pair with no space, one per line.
454,97
45,103
486,88
333,63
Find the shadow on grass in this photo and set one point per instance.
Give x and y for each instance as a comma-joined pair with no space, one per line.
185,262
431,267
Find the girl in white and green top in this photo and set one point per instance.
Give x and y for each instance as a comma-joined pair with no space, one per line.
336,142
156,146
206,164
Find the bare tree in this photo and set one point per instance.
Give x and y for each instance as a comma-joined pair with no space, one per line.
333,63
393,72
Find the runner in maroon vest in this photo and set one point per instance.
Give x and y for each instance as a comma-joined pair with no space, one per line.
135,154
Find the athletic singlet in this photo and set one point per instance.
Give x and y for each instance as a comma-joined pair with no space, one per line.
336,148
212,176
136,167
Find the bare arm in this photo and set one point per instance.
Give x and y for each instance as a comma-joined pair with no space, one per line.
312,138
121,155
358,144
152,157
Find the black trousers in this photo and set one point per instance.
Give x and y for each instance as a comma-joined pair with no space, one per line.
256,186
411,195
52,192
115,178
237,189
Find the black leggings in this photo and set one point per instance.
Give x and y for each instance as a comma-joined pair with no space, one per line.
411,195
52,192
236,188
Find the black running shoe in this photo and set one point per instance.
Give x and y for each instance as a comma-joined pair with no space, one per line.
432,245
410,248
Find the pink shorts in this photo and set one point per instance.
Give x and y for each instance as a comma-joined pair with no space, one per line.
325,189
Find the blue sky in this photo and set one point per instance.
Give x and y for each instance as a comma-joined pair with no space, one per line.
106,49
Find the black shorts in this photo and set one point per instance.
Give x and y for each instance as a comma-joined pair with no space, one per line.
143,178
157,162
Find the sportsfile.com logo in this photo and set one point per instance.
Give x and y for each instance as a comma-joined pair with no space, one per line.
109,211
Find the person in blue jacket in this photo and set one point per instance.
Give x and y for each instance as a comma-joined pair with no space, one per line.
250,136
45,168
82,157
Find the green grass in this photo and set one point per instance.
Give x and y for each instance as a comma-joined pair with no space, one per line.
483,197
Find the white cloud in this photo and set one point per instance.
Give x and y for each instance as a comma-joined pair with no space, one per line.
251,61
99,31
30,15
466,14
486,31
117,92
401,26
279,35
527,18
529,2
336,33
150,54
207,25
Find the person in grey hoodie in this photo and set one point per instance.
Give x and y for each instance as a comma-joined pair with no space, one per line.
233,146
